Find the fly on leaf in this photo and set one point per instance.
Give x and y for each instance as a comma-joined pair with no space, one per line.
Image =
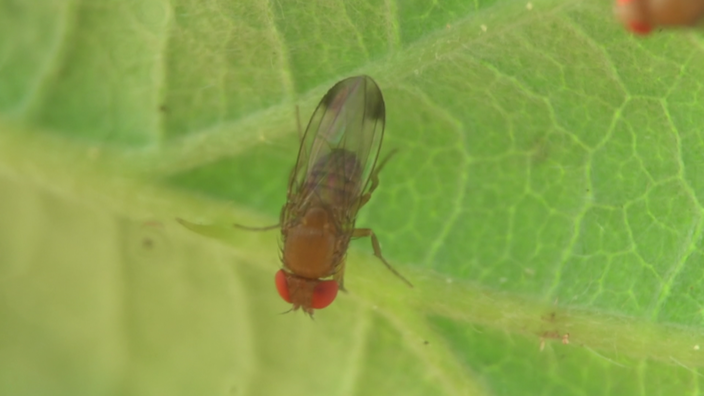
642,16
335,175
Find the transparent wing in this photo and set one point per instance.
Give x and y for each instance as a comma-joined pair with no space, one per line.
345,132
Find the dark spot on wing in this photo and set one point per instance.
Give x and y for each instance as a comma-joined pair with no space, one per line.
333,92
373,99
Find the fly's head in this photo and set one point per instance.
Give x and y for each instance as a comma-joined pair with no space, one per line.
304,293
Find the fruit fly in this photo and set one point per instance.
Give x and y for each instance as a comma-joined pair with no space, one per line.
335,175
641,16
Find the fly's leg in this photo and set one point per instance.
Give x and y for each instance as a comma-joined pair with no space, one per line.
267,228
367,232
339,277
216,231
208,230
375,178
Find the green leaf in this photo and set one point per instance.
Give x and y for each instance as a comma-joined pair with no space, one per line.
546,201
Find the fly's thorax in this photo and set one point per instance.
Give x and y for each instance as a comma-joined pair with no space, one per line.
309,245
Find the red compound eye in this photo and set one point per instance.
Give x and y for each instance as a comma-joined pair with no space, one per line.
324,294
632,14
640,28
282,286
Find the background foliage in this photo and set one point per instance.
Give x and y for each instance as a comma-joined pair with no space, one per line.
548,188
